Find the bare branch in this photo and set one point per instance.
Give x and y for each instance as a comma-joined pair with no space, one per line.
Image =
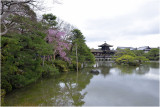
6,30
11,6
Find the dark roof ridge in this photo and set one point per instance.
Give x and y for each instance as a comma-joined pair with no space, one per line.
105,44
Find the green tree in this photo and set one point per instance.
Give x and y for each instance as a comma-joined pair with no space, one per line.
129,57
84,53
153,54
21,53
141,59
138,52
122,52
21,61
50,20
125,59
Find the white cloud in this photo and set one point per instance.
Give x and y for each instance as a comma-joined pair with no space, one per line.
148,40
118,22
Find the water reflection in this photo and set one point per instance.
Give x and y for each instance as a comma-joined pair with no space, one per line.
62,90
115,85
124,86
105,68
104,64
154,64
142,69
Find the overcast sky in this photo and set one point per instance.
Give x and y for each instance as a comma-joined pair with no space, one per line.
128,23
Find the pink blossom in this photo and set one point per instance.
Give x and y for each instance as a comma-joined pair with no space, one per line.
56,37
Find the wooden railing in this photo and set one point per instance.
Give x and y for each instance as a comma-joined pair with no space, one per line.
103,56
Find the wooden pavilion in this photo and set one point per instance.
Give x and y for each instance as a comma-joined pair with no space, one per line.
104,51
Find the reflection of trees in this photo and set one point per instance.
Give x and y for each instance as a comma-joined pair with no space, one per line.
64,90
105,71
154,64
143,69
73,87
104,67
126,69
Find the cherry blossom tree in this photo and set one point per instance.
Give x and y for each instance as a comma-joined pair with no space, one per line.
55,37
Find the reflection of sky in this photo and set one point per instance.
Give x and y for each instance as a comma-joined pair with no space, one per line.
127,89
154,74
62,85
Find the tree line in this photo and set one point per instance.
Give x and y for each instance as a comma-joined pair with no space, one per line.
33,48
135,57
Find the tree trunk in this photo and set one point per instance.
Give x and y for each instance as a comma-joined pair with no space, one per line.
43,60
76,58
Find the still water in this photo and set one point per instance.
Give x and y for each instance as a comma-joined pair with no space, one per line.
113,86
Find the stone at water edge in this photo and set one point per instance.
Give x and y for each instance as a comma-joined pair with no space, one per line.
94,71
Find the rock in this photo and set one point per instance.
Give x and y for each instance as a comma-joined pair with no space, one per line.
94,71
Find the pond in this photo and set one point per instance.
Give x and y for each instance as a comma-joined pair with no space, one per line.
114,86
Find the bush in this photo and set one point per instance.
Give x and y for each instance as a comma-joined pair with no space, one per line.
126,59
73,65
6,85
20,65
61,65
18,81
49,70
121,52
130,60
153,54
141,59
3,93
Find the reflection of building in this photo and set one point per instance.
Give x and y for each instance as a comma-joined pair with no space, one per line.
104,67
103,52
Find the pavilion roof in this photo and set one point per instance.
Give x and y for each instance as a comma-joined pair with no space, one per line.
105,44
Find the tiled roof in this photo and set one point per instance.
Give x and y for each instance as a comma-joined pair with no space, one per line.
105,44
144,48
99,50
